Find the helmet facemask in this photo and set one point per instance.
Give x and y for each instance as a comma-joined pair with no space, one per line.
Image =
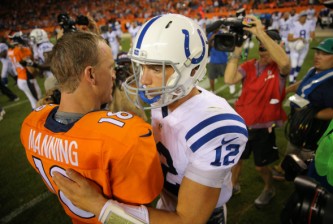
154,97
168,40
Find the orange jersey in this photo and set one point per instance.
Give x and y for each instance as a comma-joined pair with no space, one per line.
17,55
116,150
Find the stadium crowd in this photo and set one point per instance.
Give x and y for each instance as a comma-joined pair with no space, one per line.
29,14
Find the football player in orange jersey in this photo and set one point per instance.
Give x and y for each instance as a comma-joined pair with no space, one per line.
116,150
21,59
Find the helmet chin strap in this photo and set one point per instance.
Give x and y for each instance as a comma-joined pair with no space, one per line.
147,100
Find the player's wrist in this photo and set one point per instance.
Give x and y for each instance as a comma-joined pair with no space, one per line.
114,211
97,208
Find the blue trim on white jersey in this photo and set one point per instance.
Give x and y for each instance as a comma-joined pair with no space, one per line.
211,120
217,132
144,30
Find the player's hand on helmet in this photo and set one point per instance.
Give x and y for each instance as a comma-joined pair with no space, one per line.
81,191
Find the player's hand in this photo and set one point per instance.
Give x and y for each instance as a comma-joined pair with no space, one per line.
256,26
81,191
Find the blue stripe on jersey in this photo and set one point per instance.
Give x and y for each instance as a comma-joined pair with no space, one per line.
211,120
143,32
217,132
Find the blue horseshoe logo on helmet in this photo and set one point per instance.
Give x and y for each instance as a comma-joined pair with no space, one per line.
187,47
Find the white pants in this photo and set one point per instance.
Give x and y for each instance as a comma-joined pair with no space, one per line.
23,85
297,57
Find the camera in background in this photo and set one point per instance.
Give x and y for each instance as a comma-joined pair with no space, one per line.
235,35
69,25
309,204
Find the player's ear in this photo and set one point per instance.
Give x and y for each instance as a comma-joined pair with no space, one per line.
89,75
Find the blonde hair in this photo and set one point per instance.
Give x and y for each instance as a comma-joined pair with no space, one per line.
72,53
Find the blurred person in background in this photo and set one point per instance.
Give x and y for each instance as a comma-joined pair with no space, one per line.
22,62
311,106
6,68
260,103
42,47
217,62
300,35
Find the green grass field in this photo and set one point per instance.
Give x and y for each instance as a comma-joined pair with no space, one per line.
25,199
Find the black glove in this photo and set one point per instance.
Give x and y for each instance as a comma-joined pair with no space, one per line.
28,62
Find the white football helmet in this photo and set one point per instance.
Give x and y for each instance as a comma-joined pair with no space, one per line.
38,36
167,40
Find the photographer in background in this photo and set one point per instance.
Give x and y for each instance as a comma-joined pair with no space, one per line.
119,100
217,62
67,24
260,103
312,105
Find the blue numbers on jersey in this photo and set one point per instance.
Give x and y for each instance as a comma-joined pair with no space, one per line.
302,33
233,150
168,168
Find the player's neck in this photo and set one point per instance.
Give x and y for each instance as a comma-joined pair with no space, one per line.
179,102
76,103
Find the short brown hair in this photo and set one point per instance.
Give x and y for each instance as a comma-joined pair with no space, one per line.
72,53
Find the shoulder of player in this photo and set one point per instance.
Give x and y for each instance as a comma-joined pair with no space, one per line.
107,121
40,113
217,119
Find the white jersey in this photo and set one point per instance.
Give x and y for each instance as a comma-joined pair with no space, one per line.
311,13
113,42
7,68
105,36
133,31
302,30
275,20
201,140
284,28
293,18
39,55
7,64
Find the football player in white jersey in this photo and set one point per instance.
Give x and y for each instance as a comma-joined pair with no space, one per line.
133,29
199,135
284,28
42,47
114,40
299,39
293,16
7,65
275,20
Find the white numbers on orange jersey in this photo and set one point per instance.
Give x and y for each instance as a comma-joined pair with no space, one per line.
75,210
120,115
39,166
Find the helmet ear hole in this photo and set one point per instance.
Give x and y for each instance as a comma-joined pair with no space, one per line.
194,70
